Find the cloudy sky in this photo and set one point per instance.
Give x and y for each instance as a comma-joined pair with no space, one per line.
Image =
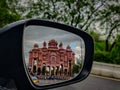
39,34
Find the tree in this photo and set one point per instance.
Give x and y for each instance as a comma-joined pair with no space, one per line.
75,68
77,13
95,35
115,55
83,14
6,15
109,18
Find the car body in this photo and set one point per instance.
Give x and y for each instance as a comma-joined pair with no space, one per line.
34,79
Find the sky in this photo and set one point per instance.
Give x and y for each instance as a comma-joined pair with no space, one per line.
39,34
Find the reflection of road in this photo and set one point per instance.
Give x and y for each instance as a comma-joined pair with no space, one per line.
93,83
48,82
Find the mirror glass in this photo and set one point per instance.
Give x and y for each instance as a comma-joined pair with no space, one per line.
52,55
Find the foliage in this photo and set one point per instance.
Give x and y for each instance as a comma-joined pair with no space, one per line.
102,56
6,16
99,46
75,68
77,13
109,18
78,65
115,55
95,35
112,57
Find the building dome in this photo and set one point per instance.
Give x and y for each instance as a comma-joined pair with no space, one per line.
68,47
36,45
60,45
53,42
44,44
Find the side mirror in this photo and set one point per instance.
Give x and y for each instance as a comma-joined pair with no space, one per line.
44,54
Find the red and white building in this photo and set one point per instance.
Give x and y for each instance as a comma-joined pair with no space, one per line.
51,59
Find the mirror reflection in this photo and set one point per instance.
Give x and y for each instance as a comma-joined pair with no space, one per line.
52,55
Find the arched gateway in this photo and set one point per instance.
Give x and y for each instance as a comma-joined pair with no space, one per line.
51,60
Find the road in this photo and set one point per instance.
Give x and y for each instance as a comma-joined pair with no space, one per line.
93,83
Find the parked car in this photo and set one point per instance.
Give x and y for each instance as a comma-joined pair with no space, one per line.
35,79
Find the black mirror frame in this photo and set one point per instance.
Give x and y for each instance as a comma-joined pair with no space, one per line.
13,35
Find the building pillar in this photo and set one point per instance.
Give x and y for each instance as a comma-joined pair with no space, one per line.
50,71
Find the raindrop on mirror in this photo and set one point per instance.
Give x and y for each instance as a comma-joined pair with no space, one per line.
52,55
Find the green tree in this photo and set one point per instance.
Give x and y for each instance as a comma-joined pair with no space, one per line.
109,18
115,55
78,65
75,68
95,35
102,56
77,13
82,14
7,16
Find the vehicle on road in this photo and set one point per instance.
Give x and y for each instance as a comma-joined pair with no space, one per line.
34,79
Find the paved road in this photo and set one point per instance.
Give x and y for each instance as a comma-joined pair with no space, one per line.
93,83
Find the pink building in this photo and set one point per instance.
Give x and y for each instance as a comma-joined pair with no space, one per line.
51,59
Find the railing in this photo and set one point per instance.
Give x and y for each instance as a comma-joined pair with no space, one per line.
107,70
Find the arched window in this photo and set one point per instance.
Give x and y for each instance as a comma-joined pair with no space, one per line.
35,62
53,59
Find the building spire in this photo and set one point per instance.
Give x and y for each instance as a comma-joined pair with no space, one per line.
68,47
36,46
60,45
44,44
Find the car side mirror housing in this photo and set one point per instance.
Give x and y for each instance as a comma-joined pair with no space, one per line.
41,54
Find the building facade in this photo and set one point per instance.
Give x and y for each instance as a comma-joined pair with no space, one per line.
51,59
